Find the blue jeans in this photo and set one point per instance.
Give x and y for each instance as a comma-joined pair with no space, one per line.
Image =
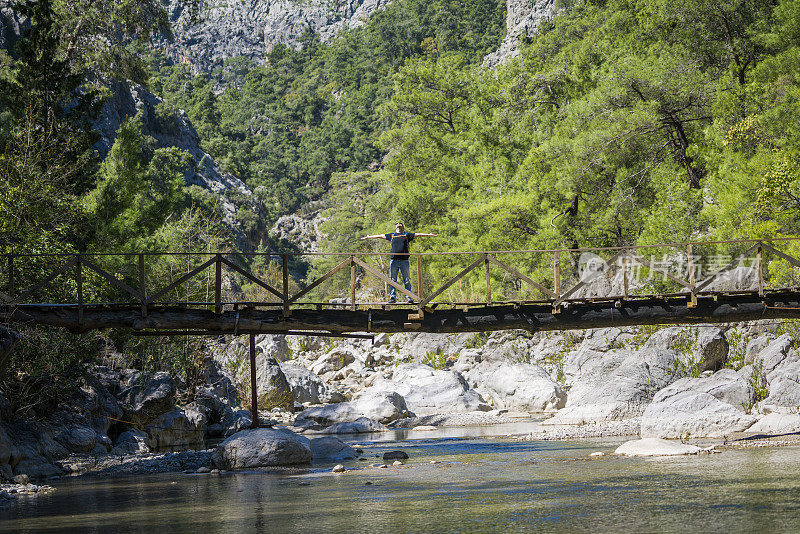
403,267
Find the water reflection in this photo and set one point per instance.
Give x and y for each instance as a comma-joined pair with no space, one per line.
481,484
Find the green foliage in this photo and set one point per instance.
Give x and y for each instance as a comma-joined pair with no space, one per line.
435,359
43,368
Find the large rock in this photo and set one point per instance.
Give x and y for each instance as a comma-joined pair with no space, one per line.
261,447
273,346
700,407
331,448
693,414
655,447
175,431
777,424
517,386
335,360
274,390
308,387
427,390
622,393
132,441
359,426
775,353
705,346
148,398
380,406
784,389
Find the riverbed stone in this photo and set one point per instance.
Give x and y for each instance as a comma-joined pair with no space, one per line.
427,390
776,424
334,360
517,386
776,353
693,414
175,431
655,447
308,387
331,448
148,397
380,406
704,345
395,455
261,447
273,389
621,394
359,426
784,389
132,441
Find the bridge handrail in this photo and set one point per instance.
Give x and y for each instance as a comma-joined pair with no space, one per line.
284,296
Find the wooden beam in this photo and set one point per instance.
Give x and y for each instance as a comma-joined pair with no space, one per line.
375,272
450,282
639,259
252,278
47,279
182,279
218,283
571,291
324,277
791,259
522,277
532,317
111,278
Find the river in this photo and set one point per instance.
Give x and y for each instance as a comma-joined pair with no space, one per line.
481,483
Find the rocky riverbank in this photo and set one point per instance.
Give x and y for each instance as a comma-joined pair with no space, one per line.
675,383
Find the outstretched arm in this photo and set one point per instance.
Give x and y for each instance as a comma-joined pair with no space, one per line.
426,235
376,236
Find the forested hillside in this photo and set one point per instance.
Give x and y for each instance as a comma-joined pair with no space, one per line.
623,122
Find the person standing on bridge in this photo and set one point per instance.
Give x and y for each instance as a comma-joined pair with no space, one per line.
400,239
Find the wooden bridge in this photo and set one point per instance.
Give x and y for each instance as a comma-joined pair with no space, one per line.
234,293
167,294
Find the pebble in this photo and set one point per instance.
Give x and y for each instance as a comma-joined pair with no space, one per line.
397,462
215,471
338,468
598,453
434,461
382,466
203,470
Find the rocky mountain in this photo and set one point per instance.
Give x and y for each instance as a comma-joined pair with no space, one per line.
251,28
523,17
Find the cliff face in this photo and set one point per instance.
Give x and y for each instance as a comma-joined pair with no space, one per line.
523,17
175,130
250,28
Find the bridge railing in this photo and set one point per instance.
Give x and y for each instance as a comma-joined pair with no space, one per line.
223,280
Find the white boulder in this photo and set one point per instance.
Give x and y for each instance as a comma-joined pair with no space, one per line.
655,447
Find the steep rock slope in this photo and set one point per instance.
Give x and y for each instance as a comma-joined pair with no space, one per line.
523,17
175,130
250,28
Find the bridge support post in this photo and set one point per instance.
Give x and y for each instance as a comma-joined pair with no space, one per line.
253,391
692,282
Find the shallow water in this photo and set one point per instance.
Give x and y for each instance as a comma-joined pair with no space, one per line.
481,484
